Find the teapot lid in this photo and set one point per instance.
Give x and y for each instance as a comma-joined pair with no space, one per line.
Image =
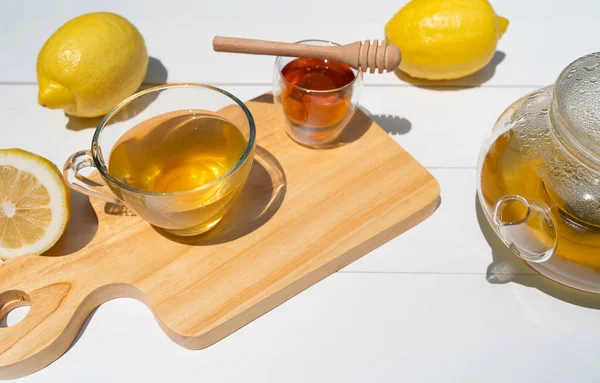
576,107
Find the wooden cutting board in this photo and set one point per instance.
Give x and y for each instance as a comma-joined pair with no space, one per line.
302,215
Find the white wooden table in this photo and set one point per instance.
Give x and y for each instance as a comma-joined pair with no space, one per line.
442,302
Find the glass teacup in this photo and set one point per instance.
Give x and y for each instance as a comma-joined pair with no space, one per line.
178,155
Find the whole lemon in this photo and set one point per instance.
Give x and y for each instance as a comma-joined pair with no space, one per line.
445,39
90,64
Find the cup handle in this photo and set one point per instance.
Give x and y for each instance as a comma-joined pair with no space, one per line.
526,227
76,181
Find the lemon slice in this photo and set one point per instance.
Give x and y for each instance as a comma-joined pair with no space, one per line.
34,204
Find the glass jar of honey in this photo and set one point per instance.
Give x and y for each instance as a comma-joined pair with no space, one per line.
317,97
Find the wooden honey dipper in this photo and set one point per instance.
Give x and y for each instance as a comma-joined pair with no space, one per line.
359,55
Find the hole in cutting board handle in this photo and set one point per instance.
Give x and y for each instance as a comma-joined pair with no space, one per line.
10,302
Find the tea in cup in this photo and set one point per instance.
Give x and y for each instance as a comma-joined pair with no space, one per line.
178,155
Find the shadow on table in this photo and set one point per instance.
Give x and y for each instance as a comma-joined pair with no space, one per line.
265,98
394,125
474,80
80,230
356,128
261,197
507,267
156,74
83,328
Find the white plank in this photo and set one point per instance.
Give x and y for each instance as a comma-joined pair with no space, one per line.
362,328
542,38
440,129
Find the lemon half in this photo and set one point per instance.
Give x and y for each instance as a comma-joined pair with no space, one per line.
34,204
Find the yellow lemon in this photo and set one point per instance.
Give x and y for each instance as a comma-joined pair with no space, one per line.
34,204
90,64
445,39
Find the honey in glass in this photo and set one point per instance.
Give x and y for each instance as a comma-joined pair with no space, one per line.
317,99
322,108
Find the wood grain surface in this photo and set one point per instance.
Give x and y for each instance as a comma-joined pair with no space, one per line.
302,215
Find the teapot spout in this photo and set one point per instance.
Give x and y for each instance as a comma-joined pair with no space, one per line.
526,227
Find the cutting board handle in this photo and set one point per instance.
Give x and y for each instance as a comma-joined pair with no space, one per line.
28,345
50,307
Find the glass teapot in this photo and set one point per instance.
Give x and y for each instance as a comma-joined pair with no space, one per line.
539,177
